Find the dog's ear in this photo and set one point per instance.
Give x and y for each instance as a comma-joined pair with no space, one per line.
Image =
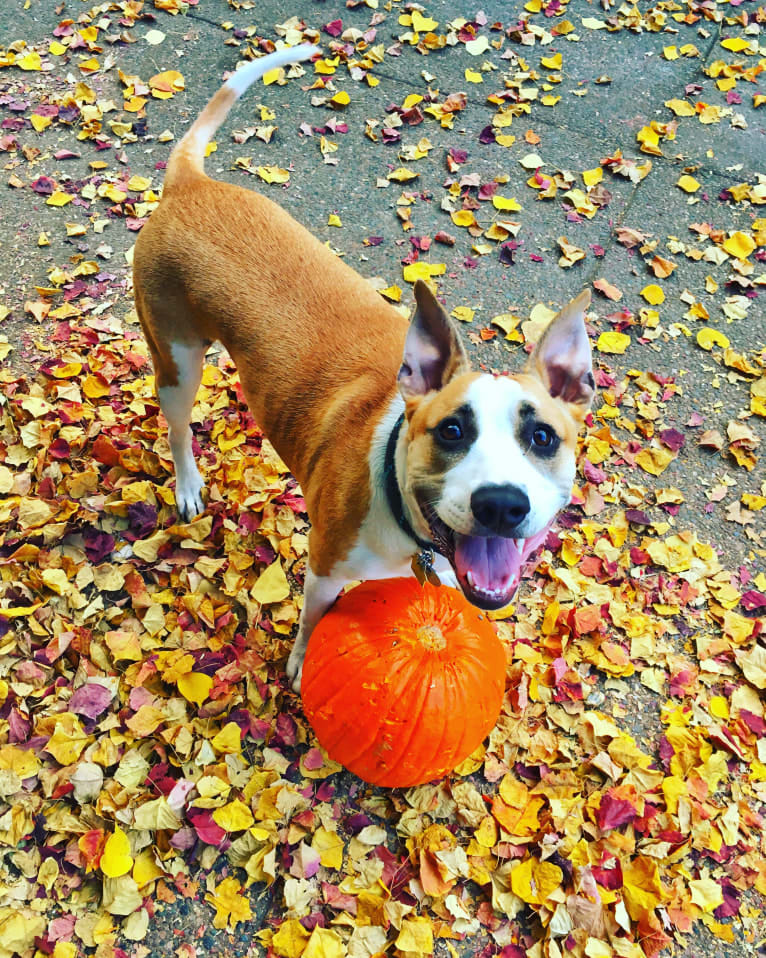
562,358
433,352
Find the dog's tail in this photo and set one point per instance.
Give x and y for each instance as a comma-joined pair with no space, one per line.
189,155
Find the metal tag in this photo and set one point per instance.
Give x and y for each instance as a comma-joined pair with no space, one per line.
423,567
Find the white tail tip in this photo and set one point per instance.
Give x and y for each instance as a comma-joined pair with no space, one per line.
255,69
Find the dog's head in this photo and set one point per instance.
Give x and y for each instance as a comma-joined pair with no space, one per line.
490,460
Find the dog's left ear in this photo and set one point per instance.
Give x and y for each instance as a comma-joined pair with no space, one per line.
433,352
562,358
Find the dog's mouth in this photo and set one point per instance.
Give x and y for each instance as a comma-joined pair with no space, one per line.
488,568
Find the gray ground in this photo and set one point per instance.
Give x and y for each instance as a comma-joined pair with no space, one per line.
575,135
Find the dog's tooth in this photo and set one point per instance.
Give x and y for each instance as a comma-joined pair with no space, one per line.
469,579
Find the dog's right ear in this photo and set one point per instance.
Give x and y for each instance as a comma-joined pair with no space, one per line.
433,352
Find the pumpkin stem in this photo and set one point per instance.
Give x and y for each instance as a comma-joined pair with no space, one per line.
431,637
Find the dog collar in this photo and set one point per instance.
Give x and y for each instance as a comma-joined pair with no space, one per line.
394,493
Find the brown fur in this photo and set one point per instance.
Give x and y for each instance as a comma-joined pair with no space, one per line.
217,262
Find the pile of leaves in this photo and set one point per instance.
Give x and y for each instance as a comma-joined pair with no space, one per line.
150,748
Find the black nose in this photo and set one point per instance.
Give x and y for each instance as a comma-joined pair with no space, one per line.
500,509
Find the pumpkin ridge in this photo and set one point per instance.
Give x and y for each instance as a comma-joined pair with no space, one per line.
329,656
457,691
395,757
383,711
353,702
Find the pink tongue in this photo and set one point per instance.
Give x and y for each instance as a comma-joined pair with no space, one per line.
494,562
491,561
534,543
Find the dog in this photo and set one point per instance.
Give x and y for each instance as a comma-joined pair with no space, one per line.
408,459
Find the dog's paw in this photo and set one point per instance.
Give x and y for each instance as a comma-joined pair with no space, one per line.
189,497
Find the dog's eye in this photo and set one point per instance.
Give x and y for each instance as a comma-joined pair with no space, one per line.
543,437
450,430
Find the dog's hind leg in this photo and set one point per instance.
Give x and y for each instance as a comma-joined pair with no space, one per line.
176,395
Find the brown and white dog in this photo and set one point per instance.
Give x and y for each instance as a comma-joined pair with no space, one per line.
398,446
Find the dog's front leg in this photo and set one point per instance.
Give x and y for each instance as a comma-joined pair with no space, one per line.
319,593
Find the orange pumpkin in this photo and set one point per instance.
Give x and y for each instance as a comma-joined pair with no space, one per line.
402,682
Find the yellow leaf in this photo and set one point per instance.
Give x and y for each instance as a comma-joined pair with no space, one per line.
680,107
326,66
688,184
324,943
719,707
164,85
94,387
550,100
402,175
116,859
229,740
271,585
19,926
464,313
56,580
506,203
334,220
145,868
234,817
30,61
195,687
19,611
290,939
91,65
670,52
486,833
423,24
654,460
394,293
736,44
534,881
642,889
40,122
473,77
271,76
505,139
340,99
551,63
230,904
329,846
59,198
653,294
706,893
134,104
591,177
416,935
463,218
273,174
22,762
68,740
707,338
421,270
139,183
613,342
739,245
412,100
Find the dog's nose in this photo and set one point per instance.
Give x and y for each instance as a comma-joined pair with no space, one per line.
500,509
